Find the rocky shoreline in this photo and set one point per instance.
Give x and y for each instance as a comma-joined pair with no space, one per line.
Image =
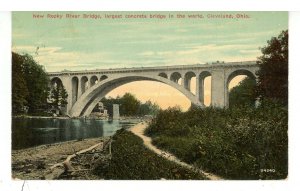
34,163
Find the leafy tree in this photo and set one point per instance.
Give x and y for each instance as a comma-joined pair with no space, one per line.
144,108
148,108
30,79
129,105
273,73
243,94
19,86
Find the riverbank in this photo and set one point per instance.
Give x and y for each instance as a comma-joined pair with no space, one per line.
41,117
122,118
34,163
131,160
139,130
126,159
236,143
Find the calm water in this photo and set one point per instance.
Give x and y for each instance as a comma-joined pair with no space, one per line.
29,132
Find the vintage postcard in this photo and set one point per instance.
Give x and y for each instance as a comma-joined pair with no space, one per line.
150,95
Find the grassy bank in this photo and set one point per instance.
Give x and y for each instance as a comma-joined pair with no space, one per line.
131,160
240,143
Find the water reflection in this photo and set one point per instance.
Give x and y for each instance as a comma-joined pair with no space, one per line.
28,132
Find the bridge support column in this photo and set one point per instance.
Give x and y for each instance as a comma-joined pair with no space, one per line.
218,88
182,82
79,89
200,89
67,82
187,82
116,113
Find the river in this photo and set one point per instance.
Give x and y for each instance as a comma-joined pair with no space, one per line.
30,132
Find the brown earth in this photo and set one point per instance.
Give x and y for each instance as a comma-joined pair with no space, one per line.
34,163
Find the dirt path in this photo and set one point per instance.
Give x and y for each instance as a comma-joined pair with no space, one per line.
139,129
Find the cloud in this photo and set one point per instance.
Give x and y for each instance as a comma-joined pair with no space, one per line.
39,49
257,51
55,59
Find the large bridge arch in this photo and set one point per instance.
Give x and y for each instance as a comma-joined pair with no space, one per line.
93,95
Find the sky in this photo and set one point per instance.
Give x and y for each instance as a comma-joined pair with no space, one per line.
80,43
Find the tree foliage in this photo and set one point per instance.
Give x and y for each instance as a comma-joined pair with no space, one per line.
273,73
243,94
130,106
19,86
148,108
30,84
58,96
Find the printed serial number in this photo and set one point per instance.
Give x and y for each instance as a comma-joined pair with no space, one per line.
267,170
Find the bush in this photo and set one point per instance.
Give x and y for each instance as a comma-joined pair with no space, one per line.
236,143
131,160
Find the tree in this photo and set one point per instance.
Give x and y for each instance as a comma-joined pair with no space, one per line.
129,105
19,86
64,96
58,96
273,72
243,94
148,108
30,84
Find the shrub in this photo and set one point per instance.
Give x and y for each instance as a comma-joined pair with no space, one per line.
132,160
236,143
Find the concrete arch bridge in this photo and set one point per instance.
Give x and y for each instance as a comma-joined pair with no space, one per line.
86,88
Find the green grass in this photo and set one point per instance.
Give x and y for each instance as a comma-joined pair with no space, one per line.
237,143
131,160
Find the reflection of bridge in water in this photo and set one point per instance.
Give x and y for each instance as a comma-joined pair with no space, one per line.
87,88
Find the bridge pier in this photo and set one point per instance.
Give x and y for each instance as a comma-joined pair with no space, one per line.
187,83
218,88
67,82
198,90
79,88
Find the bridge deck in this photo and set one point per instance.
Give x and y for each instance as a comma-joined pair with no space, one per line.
156,68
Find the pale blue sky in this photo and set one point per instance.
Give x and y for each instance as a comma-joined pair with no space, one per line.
78,44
